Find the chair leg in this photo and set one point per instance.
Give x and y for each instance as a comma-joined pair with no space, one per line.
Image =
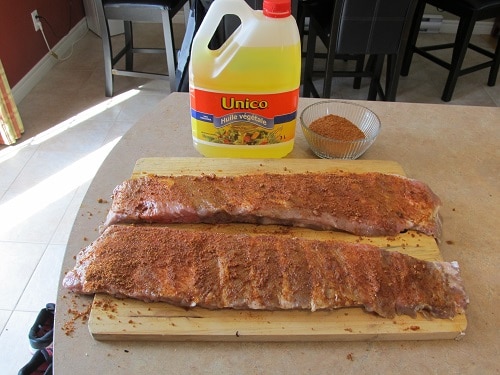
330,60
375,63
360,63
394,64
107,53
412,37
328,77
168,35
464,33
389,79
186,11
370,68
129,45
307,79
301,20
496,65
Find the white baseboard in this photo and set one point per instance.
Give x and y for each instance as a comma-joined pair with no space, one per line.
35,75
451,26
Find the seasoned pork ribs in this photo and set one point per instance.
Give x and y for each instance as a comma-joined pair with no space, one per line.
367,204
262,271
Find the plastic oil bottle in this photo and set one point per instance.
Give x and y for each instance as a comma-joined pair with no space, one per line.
244,95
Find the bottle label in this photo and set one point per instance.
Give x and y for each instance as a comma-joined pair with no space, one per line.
243,119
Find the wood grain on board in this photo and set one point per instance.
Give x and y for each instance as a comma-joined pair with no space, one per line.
128,319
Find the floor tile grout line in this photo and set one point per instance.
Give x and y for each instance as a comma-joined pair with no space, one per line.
29,280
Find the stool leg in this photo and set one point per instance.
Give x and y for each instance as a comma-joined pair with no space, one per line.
496,64
375,63
307,78
186,11
328,77
412,38
360,63
107,52
391,78
462,39
332,50
394,63
129,45
301,20
168,35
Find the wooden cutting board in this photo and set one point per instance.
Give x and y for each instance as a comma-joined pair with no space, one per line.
128,319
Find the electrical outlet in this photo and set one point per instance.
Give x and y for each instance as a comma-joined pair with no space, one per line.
36,21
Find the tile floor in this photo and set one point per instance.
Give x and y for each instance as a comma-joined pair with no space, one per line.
70,127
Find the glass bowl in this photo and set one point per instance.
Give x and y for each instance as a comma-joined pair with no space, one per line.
330,148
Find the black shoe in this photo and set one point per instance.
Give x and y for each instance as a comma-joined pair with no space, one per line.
40,363
42,331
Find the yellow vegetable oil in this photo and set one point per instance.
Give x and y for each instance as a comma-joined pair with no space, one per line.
244,95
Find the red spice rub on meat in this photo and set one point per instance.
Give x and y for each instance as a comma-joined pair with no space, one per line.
220,270
368,204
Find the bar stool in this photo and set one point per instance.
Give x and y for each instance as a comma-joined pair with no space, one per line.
155,11
351,30
469,11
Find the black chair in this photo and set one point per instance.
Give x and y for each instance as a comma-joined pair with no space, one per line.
351,30
155,11
469,12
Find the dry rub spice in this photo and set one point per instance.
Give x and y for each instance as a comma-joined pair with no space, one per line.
336,127
75,314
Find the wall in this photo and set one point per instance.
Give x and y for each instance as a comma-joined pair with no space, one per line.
430,9
21,47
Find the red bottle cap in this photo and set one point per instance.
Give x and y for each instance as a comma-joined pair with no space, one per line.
277,8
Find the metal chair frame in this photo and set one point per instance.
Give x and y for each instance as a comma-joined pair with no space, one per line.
140,11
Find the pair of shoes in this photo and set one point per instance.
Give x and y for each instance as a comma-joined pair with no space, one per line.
42,331
40,363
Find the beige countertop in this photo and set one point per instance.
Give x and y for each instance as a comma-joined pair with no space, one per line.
454,149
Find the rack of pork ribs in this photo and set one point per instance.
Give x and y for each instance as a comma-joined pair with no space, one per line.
141,254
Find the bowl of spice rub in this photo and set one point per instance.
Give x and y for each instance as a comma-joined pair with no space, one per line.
339,130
